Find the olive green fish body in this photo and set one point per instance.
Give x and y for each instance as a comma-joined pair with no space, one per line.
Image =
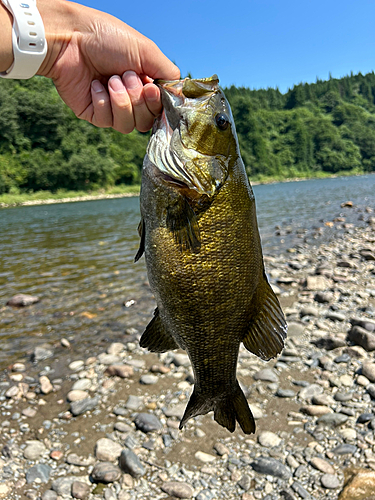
205,267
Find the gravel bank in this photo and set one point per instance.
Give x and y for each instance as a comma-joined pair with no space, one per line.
108,428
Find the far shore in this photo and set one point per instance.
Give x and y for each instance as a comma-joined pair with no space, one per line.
48,198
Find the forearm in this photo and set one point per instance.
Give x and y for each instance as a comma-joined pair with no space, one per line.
6,51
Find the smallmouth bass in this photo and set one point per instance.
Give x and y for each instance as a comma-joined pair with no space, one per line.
202,247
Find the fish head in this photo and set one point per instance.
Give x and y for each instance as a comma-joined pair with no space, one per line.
194,139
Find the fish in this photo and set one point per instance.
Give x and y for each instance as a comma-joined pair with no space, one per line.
200,238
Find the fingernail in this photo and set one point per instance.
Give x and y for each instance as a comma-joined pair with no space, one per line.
131,80
97,86
116,84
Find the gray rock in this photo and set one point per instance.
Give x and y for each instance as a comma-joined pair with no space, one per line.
122,427
133,402
301,491
285,393
268,439
107,450
74,459
40,353
205,495
80,490
335,316
272,467
365,417
149,379
79,407
332,419
147,422
181,360
22,300
266,375
345,449
362,337
34,450
175,410
323,297
309,311
177,489
310,391
330,481
49,495
63,485
108,359
295,329
130,463
343,397
82,384
245,482
368,371
367,324
39,471
105,472
371,390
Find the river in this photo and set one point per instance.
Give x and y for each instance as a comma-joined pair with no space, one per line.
78,258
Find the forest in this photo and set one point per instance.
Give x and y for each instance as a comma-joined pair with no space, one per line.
323,128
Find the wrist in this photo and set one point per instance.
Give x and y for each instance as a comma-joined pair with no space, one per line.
6,50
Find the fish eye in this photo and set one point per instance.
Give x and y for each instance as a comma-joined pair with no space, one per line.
222,121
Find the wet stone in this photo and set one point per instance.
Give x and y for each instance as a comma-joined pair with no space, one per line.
41,353
272,467
147,422
22,300
177,489
40,471
105,472
130,463
365,417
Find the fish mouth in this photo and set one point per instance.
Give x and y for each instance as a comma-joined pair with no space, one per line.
176,163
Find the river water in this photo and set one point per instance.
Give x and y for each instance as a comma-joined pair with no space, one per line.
78,258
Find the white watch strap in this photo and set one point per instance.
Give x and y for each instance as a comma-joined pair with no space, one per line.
28,38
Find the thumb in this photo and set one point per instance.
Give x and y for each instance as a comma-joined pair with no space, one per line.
155,64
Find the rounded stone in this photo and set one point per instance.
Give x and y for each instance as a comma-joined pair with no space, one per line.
330,481
344,449
107,450
322,465
81,385
316,410
285,393
266,375
269,439
105,472
332,419
39,472
49,495
34,450
147,422
77,395
177,489
310,391
130,463
204,457
272,467
80,490
76,366
149,379
368,371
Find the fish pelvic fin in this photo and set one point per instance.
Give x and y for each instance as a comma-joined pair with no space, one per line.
142,235
267,329
155,338
228,408
182,222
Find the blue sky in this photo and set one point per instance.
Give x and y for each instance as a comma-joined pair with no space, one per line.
257,43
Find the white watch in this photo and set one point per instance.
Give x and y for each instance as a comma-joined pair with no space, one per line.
28,38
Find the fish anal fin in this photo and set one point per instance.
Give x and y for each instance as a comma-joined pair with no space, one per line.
182,222
142,235
155,338
228,408
267,327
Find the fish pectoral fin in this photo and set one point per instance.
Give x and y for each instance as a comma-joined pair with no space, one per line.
182,222
268,328
142,235
155,338
228,408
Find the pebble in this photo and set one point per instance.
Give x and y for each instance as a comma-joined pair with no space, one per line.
348,434
76,395
272,467
221,449
76,366
332,419
266,375
147,422
122,371
41,353
49,495
330,481
368,371
285,393
107,450
177,489
80,490
45,385
245,482
79,407
39,472
310,391
63,485
316,410
34,450
204,457
322,465
269,439
181,360
134,402
149,379
83,384
22,300
344,449
105,472
205,495
130,463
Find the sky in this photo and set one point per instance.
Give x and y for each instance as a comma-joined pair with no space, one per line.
256,43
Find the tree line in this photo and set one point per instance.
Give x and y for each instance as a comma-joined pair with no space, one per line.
324,127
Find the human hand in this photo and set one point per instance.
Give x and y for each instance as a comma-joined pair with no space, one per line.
87,51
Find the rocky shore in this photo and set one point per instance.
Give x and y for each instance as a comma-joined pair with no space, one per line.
108,427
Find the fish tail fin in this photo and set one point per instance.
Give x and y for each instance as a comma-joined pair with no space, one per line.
228,408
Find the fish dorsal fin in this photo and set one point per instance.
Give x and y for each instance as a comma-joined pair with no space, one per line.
182,222
267,328
142,235
155,338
